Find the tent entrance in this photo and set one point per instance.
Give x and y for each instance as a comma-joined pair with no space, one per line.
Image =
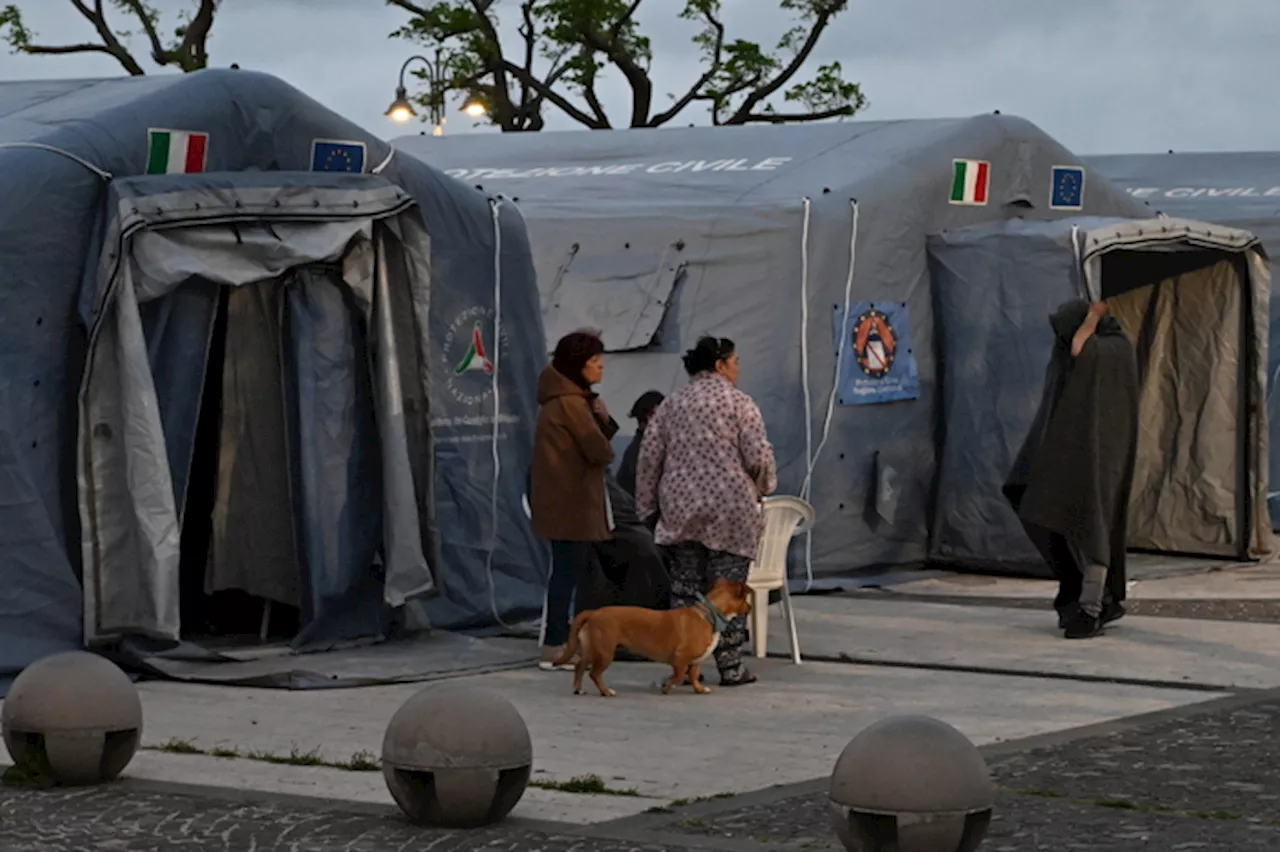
286,441
244,444
1189,315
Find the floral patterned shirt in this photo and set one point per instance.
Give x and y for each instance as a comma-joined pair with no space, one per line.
705,462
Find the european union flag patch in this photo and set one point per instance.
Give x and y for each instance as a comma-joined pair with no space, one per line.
1067,192
336,155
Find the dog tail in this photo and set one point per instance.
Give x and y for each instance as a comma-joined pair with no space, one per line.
571,648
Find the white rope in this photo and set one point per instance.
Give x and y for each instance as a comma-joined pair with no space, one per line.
377,170
102,173
495,206
804,371
835,382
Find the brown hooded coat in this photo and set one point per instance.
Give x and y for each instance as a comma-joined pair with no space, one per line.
570,456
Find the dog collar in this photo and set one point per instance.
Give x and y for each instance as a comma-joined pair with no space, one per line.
714,617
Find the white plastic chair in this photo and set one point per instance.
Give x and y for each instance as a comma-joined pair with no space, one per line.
784,518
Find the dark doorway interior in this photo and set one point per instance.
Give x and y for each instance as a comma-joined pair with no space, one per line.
232,617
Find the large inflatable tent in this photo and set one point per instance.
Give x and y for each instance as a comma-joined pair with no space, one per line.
1237,189
810,247
252,360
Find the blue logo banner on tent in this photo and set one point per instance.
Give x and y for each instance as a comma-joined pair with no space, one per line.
878,363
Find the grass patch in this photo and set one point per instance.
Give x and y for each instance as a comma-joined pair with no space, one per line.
360,761
592,785
692,822
177,746
27,778
295,757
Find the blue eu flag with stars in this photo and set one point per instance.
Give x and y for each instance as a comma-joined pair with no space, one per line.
1068,188
337,156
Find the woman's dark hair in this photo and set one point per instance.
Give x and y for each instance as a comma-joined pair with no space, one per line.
646,405
709,352
572,354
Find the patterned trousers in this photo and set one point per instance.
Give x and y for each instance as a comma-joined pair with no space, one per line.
694,569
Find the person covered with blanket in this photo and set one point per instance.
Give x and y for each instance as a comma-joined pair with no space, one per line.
705,463
1071,481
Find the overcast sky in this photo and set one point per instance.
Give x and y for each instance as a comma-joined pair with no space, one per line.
1103,76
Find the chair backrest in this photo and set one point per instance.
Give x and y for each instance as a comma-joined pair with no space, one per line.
785,518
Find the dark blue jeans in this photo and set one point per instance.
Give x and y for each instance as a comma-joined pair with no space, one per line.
571,566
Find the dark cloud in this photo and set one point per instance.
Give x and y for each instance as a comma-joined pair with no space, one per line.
1101,75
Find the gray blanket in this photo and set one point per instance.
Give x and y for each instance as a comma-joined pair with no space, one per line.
1070,482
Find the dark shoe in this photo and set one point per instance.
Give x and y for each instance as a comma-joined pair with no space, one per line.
1081,625
1112,611
738,680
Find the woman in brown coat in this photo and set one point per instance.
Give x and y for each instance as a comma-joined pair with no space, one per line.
567,497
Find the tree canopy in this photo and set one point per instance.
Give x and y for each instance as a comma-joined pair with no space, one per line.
115,24
566,46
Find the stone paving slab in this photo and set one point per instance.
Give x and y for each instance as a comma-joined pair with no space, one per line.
788,727
1138,648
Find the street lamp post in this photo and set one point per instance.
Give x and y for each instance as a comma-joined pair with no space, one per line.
437,88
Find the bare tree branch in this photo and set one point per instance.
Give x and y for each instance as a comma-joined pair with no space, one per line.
550,94
793,118
766,91
714,62
158,52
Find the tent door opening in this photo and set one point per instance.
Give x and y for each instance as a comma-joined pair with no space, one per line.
1188,313
243,433
281,526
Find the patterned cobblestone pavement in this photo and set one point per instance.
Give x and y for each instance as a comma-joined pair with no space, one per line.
1207,781
1197,781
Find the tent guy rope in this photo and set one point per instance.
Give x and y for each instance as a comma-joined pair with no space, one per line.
495,206
102,173
804,373
835,382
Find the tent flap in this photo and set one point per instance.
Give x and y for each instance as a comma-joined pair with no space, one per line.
623,293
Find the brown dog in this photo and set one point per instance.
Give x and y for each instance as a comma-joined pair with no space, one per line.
682,638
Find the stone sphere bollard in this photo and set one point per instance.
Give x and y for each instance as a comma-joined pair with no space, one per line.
456,757
75,717
911,784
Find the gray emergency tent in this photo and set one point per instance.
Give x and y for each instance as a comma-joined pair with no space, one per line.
362,476
1237,189
786,239
1194,299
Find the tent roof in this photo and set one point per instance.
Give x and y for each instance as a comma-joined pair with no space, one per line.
99,120
1217,186
712,165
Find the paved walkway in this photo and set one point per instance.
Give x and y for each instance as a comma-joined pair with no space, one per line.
1192,778
1000,675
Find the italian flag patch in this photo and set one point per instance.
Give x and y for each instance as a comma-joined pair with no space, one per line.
176,152
970,182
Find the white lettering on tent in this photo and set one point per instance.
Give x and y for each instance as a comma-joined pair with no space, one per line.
741,164
1203,192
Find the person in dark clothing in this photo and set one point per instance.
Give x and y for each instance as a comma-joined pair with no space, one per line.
1071,481
641,412
632,571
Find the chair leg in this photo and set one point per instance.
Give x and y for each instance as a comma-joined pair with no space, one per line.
789,615
759,622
